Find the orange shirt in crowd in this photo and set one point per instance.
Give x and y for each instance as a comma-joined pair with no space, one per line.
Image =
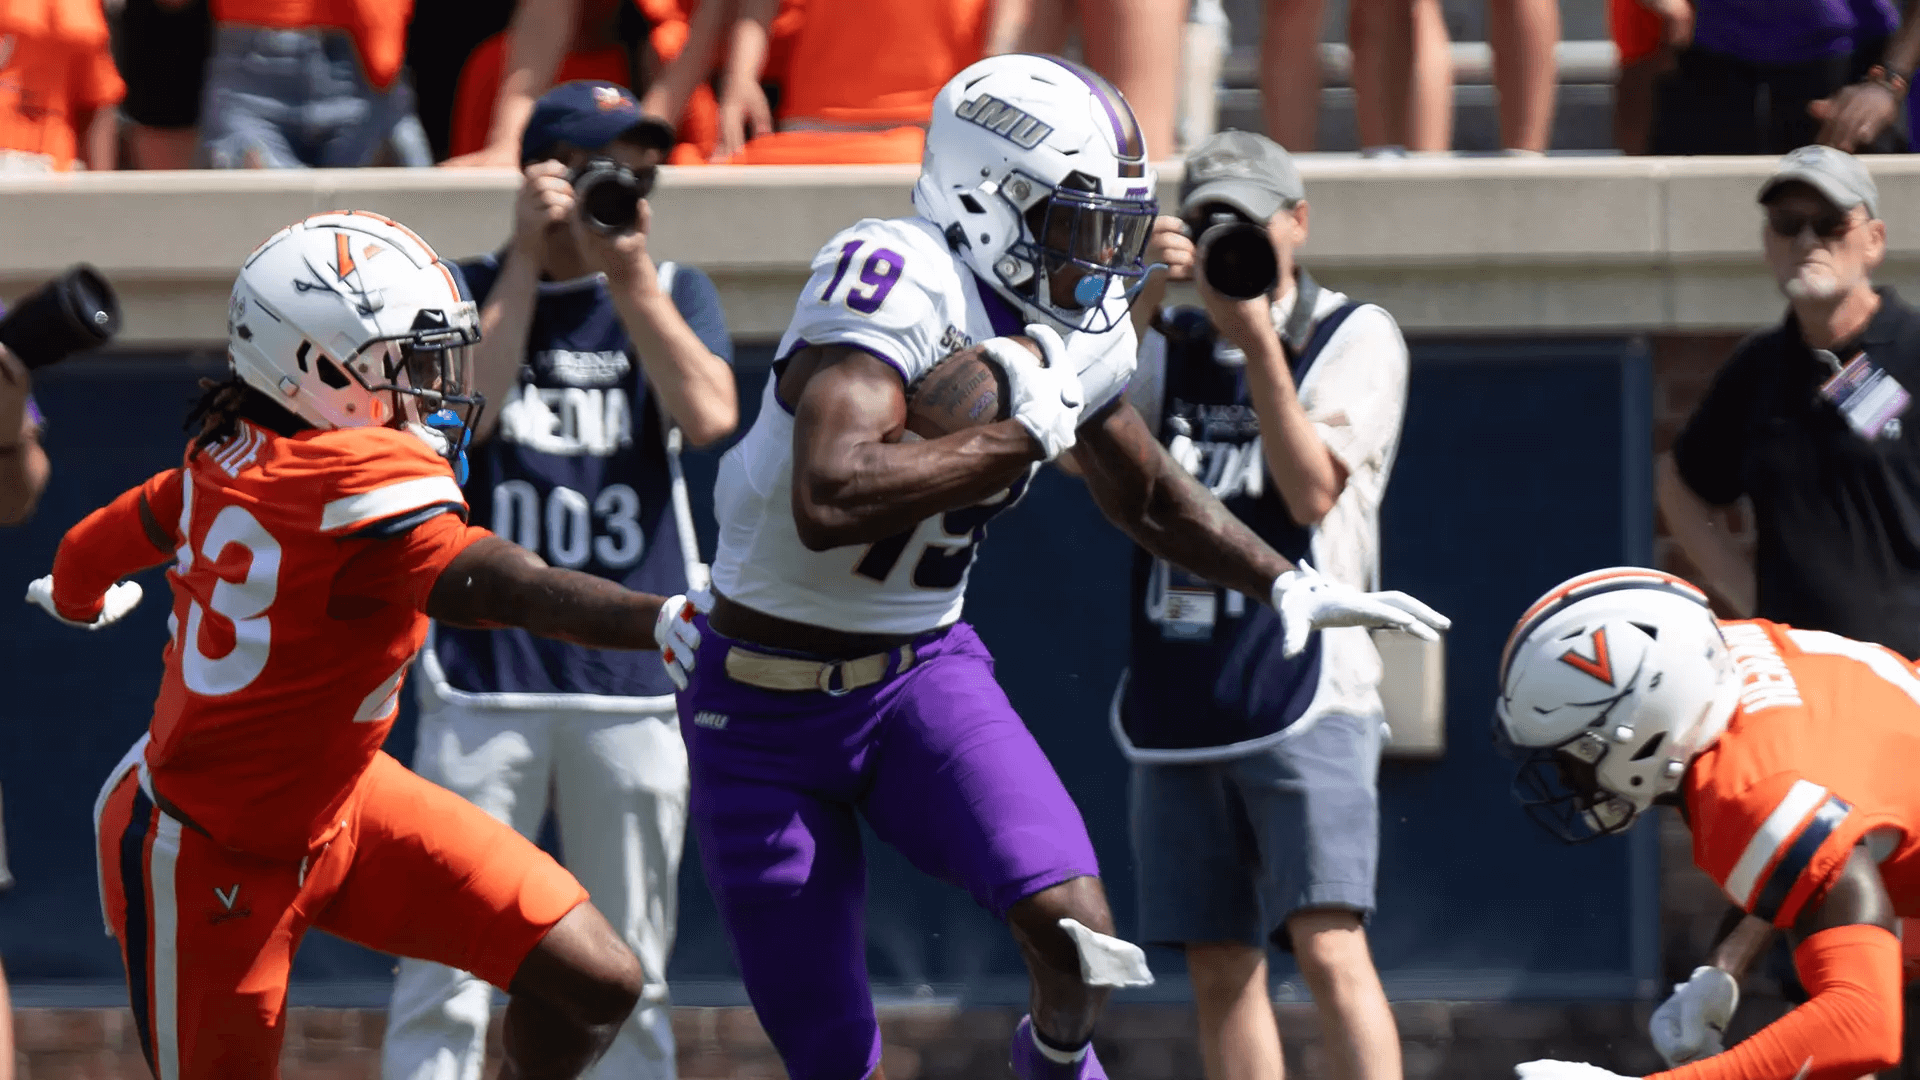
875,63
378,27
1636,31
698,126
55,70
780,38
862,79
480,85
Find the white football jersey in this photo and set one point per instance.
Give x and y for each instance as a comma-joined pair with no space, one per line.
892,289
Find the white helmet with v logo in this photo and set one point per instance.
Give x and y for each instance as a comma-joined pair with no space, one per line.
1609,685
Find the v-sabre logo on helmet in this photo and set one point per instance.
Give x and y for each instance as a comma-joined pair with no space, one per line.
1601,666
1022,129
343,263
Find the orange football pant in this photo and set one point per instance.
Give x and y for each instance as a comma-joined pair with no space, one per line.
208,934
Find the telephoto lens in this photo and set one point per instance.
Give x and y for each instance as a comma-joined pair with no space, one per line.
72,313
1237,257
609,194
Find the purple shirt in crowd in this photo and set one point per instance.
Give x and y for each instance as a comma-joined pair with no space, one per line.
1790,31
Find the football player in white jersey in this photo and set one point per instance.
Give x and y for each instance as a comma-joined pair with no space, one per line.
834,676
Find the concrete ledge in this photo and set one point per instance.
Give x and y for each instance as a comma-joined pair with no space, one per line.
1450,245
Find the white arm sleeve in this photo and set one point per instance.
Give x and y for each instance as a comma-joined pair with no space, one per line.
884,287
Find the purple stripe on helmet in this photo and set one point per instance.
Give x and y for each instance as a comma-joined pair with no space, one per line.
1126,131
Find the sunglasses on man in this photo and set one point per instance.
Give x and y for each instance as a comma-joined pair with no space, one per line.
1826,224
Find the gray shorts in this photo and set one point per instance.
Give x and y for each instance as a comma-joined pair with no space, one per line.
1229,850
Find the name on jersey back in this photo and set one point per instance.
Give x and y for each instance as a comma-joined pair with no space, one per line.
1765,681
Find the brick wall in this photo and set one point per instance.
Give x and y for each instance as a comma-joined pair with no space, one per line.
1440,1040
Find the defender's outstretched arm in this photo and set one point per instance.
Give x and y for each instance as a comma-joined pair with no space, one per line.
495,582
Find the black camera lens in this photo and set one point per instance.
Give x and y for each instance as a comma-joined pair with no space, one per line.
609,195
1239,262
73,312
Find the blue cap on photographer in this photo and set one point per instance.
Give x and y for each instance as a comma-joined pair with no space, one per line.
1248,172
590,114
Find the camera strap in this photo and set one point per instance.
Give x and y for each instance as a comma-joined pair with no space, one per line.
696,571
1299,329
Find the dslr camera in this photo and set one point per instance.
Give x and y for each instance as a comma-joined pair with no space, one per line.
72,313
608,194
1238,260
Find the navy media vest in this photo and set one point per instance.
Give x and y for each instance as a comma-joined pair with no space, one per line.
585,487
1206,668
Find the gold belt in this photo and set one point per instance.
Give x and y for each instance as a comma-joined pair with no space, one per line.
795,675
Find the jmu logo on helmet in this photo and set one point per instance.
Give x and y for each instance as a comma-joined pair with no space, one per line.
1022,129
1600,666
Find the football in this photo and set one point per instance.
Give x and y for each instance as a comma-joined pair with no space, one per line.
966,389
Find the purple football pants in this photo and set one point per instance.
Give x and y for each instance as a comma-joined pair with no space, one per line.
937,762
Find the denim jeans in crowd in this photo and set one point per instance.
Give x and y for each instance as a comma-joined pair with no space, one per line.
290,99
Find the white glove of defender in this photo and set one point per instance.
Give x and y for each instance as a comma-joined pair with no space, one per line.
121,599
1046,400
678,638
1563,1070
1691,1024
1308,600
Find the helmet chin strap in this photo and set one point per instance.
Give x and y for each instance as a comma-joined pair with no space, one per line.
435,430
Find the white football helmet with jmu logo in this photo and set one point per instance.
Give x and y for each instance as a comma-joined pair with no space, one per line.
1034,164
1610,684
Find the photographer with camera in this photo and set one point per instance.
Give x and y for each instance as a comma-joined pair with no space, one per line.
73,312
1254,815
598,359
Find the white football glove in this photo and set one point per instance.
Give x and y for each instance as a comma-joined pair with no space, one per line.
678,638
1046,400
1563,1070
1691,1024
1308,600
121,599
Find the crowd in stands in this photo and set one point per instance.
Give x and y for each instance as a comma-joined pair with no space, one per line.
104,84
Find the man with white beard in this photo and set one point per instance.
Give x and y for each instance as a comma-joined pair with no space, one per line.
1808,420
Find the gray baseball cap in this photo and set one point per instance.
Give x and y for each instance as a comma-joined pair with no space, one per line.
1835,174
1248,172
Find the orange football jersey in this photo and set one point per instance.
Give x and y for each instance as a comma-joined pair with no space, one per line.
1822,753
301,570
